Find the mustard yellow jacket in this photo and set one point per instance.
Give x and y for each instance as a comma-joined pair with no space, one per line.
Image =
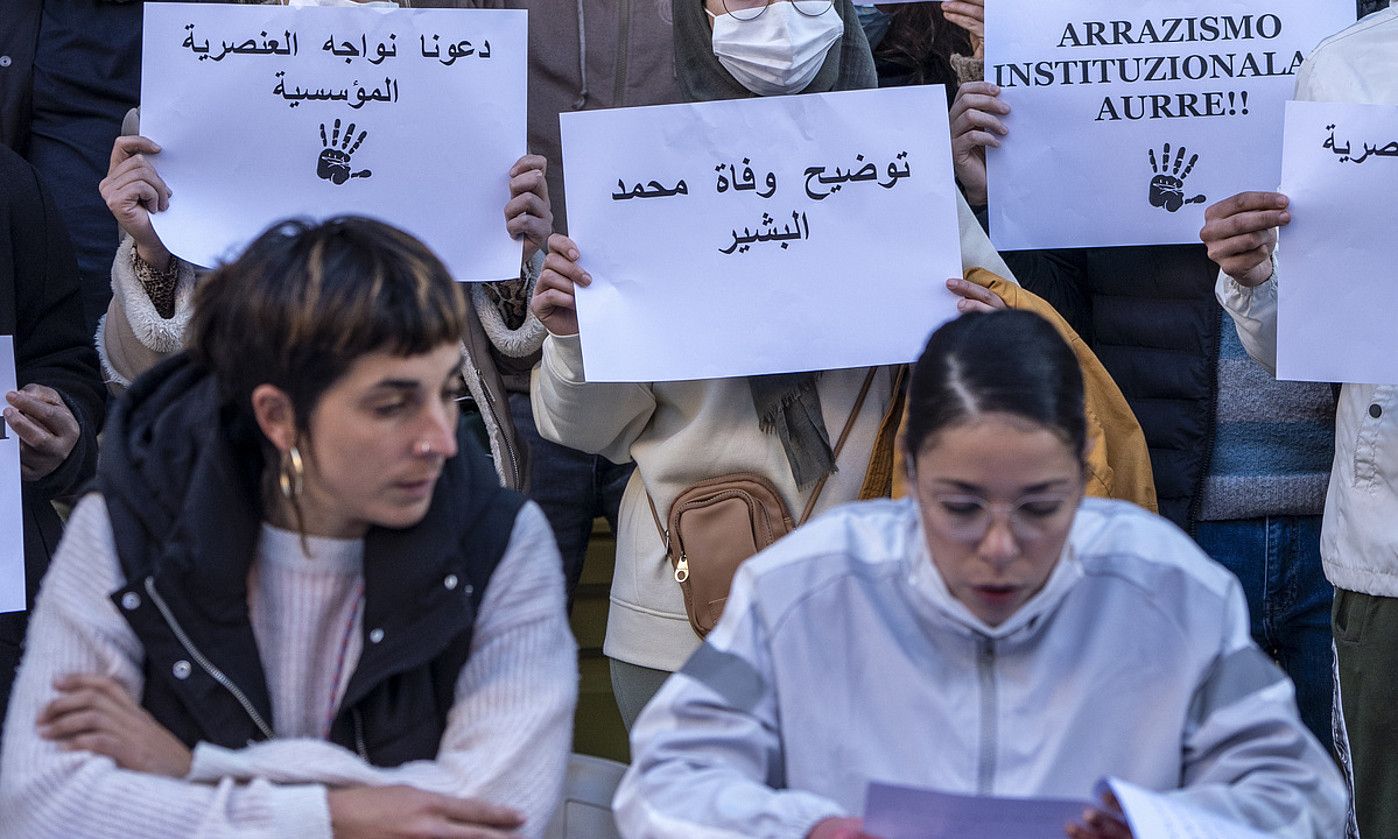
1118,463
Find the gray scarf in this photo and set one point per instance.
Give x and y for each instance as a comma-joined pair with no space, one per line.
787,403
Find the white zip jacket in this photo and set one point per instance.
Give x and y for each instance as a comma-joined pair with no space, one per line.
842,658
1359,537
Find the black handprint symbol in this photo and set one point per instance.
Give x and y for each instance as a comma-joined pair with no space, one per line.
334,164
1167,187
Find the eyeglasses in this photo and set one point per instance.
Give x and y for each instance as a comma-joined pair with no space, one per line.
751,9
967,518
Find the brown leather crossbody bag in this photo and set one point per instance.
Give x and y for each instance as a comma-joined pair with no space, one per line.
718,523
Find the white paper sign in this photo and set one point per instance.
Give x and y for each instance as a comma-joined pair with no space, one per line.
1128,119
1155,815
1336,259
896,812
762,235
11,505
412,116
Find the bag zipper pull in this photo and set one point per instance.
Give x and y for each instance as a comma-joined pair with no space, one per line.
682,568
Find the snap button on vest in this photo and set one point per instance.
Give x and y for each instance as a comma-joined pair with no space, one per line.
131,601
376,636
1376,410
450,582
181,669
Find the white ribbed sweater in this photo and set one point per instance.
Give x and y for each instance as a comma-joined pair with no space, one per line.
507,736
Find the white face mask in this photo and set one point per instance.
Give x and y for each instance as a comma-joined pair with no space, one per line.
780,51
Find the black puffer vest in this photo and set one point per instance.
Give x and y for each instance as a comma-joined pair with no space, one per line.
181,484
1150,315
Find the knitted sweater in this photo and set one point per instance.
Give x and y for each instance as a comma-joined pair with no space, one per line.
507,738
1273,440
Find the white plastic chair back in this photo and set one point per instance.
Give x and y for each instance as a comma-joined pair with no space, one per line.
586,811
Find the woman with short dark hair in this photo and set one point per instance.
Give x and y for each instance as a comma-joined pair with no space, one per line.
299,603
995,633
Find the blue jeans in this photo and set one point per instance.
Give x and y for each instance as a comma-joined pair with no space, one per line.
1277,559
573,488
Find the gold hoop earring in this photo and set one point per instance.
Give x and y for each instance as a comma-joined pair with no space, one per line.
292,475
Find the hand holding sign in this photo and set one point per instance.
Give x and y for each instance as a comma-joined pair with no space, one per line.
974,298
529,214
836,828
555,303
1241,233
969,15
1105,822
133,190
46,428
975,124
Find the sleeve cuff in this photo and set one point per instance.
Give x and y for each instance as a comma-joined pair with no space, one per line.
810,810
1243,301
209,764
563,358
301,810
162,335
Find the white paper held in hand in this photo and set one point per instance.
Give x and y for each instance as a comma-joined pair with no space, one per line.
412,116
1335,261
769,235
898,812
11,510
1128,119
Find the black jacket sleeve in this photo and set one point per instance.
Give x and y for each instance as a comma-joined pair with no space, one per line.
51,345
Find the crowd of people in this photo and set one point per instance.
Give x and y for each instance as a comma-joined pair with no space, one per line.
315,577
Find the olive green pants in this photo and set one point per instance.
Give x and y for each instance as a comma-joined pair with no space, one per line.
1366,649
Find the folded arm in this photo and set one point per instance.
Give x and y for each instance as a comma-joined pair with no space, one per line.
509,733
46,791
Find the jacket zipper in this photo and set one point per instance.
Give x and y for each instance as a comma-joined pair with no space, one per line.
985,670
203,662
623,52
504,438
359,734
495,416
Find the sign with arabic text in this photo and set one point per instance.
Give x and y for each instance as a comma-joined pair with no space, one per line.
411,116
1335,277
1128,119
764,235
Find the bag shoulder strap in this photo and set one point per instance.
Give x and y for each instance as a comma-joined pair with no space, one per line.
839,444
659,526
